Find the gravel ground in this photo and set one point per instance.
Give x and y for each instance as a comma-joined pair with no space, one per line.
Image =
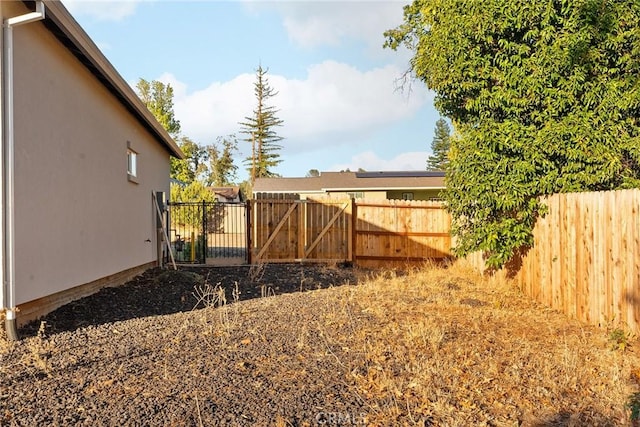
200,346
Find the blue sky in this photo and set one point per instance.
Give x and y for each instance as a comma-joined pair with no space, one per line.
337,87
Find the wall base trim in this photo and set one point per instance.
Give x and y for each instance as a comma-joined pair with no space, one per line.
38,308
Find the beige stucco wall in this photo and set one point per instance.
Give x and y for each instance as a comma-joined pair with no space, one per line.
78,217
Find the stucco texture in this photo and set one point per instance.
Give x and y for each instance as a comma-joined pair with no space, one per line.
78,217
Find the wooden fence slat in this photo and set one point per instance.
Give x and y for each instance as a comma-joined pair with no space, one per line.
350,224
351,230
556,252
617,296
584,217
302,237
276,230
585,260
325,229
634,260
600,285
611,304
569,243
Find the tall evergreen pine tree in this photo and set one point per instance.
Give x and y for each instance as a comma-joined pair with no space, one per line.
439,160
260,133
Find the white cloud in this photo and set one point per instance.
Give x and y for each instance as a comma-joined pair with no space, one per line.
336,98
102,10
213,111
318,23
333,103
370,161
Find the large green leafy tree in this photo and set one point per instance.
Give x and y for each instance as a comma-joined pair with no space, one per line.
194,166
195,191
545,96
222,169
260,131
158,97
439,158
201,163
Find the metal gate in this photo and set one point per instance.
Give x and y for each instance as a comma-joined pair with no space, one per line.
208,233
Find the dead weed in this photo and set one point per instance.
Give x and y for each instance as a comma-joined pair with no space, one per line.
445,346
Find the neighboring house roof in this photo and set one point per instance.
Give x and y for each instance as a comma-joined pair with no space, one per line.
229,193
352,181
62,25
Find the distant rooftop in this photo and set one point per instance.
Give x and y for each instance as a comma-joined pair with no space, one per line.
399,174
229,193
352,181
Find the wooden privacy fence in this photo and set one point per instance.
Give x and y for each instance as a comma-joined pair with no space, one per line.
389,232
369,233
585,260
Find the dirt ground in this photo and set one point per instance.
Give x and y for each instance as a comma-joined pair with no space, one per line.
157,293
292,345
156,352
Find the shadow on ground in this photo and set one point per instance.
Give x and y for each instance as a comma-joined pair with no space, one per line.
160,292
569,419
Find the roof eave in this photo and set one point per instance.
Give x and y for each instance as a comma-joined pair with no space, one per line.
60,22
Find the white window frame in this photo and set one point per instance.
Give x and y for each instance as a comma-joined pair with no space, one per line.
132,164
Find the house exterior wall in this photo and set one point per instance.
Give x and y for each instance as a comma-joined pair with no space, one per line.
370,195
377,194
78,217
304,196
389,195
220,198
417,194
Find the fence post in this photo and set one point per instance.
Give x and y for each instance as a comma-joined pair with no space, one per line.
203,260
302,230
354,231
249,223
169,254
192,254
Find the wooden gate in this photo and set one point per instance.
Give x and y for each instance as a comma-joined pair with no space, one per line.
289,230
370,233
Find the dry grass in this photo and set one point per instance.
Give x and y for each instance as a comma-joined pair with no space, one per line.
447,347
5,345
434,347
36,358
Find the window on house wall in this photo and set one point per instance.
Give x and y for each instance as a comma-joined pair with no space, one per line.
356,194
407,196
132,163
